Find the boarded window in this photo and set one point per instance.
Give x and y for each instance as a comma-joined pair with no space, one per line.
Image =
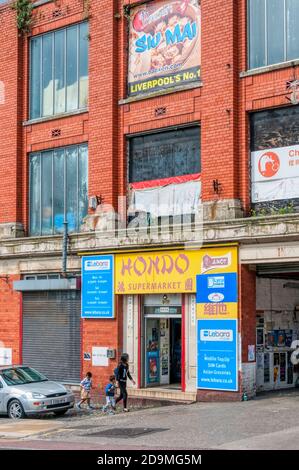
164,154
275,128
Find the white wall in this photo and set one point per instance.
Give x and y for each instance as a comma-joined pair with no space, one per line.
271,295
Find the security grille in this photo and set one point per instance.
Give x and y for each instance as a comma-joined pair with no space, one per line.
51,334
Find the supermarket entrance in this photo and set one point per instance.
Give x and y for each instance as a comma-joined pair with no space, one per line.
163,346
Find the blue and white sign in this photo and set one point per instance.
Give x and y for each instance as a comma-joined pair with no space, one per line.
212,288
98,286
217,355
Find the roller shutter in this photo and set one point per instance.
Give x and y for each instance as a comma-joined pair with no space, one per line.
51,333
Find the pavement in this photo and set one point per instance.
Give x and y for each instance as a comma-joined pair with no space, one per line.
268,422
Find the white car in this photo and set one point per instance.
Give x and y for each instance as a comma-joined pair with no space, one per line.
24,391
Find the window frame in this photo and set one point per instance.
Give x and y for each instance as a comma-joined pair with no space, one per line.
64,195
66,111
129,138
266,37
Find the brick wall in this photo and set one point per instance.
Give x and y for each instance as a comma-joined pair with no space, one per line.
247,309
10,108
10,314
221,105
102,333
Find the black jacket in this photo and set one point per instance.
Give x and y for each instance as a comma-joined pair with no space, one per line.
123,372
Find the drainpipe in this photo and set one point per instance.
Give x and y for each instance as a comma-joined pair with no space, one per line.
64,247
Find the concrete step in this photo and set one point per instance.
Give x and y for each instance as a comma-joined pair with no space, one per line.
163,394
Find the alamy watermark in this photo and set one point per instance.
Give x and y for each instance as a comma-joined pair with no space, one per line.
149,224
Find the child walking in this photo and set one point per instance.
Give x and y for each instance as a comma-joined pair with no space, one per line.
110,392
86,385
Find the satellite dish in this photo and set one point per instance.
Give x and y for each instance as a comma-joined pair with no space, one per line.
295,357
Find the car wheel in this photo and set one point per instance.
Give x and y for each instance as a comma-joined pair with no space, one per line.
60,412
16,410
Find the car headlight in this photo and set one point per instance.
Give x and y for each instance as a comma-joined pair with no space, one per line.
35,395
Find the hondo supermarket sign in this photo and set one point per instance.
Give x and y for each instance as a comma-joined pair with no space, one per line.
275,174
170,271
164,45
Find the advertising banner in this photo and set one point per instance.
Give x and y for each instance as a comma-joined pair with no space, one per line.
98,286
153,367
217,355
170,271
275,174
164,45
217,288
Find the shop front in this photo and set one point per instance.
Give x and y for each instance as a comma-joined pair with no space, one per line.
277,331
165,306
273,318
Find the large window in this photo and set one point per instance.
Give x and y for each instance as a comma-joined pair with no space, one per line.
275,159
164,174
164,154
59,71
273,28
58,189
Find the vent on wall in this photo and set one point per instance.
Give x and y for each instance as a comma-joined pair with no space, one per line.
57,13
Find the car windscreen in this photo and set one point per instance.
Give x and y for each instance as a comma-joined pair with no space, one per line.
22,375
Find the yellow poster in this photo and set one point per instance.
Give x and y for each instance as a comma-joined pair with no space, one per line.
217,311
170,271
218,260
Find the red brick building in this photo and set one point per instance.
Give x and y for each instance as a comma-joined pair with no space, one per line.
179,107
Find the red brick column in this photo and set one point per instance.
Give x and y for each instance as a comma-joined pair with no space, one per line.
11,317
219,145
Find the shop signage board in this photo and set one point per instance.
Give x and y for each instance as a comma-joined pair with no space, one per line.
215,288
170,271
217,284
217,365
98,286
275,174
164,45
217,324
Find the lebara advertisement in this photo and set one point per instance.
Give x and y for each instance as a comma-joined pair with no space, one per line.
217,355
164,45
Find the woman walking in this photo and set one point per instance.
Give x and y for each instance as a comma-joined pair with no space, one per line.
122,374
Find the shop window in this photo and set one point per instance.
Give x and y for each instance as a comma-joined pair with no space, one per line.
164,154
59,71
58,189
273,32
164,175
275,160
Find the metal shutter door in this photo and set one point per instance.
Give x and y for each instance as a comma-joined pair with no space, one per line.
51,334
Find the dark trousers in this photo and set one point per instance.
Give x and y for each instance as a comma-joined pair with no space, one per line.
123,393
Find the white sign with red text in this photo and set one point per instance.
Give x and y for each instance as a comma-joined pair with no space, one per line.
275,174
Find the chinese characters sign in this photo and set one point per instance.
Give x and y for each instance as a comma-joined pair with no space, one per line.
164,45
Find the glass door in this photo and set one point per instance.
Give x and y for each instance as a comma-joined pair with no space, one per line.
152,352
165,351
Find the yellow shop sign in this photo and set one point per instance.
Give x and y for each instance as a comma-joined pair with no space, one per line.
217,311
170,271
